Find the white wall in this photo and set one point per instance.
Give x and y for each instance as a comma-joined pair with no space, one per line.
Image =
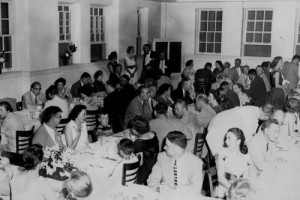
180,21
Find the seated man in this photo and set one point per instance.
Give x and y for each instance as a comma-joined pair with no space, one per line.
176,169
85,81
34,97
46,135
262,147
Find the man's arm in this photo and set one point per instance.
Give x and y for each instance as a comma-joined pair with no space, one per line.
257,156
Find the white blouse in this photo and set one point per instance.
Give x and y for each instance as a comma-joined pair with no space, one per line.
83,140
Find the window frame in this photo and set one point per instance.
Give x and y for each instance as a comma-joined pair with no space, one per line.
101,22
297,32
9,35
64,26
198,30
245,24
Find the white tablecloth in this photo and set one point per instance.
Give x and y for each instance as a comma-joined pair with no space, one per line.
29,119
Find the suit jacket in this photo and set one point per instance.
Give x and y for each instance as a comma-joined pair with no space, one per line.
43,138
257,92
114,78
154,60
178,94
75,89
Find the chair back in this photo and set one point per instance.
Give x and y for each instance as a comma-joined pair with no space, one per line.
91,120
24,140
130,171
61,126
19,105
200,85
212,179
199,143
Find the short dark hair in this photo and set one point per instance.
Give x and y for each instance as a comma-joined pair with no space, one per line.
296,57
140,124
208,64
103,111
178,138
112,55
48,113
163,88
97,74
60,80
237,59
129,49
224,83
268,123
6,105
85,75
126,146
125,76
189,62
161,108
252,72
147,45
51,90
34,84
33,156
76,111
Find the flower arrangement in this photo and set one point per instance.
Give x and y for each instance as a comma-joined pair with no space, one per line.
68,53
57,164
2,61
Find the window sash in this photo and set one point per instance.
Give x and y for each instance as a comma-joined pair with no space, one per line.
209,31
64,23
97,20
5,34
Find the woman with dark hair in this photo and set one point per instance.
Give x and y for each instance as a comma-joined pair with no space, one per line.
218,68
76,131
63,91
130,65
99,86
146,143
164,94
277,94
233,161
238,88
9,124
112,62
28,184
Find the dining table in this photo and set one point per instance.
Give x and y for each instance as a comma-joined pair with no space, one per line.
29,118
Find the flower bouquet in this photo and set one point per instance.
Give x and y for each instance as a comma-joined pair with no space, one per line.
57,164
68,53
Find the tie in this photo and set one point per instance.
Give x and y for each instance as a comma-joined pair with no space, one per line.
267,147
146,110
175,174
58,140
36,99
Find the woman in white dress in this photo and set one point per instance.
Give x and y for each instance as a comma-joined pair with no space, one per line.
131,65
75,130
233,161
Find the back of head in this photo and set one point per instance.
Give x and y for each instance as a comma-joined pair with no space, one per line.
6,105
202,98
112,55
85,75
51,91
208,65
76,111
268,123
189,63
79,184
161,108
33,156
252,72
139,124
296,57
178,138
126,146
163,88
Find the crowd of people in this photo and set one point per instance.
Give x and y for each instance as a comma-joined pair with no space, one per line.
228,102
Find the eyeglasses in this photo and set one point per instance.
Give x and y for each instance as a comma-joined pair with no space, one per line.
37,88
59,116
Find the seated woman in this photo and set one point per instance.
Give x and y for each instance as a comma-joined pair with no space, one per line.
76,131
213,99
146,143
28,184
164,94
243,97
63,91
233,161
10,123
77,187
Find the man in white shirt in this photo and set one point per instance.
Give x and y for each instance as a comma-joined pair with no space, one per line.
176,169
34,97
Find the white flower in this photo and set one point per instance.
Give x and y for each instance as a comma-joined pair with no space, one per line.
2,60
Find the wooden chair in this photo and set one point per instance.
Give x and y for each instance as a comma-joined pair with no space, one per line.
199,143
200,86
14,158
130,171
91,123
61,126
24,140
212,179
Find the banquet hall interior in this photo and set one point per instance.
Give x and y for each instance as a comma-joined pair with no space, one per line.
150,99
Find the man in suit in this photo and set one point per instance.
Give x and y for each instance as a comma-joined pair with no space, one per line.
150,63
47,135
257,90
114,78
290,72
184,91
85,80
204,77
34,97
235,71
176,169
139,106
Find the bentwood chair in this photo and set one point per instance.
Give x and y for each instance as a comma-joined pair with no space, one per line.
61,126
130,171
24,140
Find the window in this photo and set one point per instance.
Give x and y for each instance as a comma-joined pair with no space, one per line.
257,34
297,40
64,23
97,33
5,35
209,31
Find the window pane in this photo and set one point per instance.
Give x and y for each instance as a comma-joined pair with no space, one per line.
212,15
68,37
267,38
97,37
202,37
100,11
260,15
203,15
91,24
59,8
61,37
92,37
61,30
210,37
259,26
5,27
251,15
8,60
203,26
67,30
61,23
218,37
249,37
219,15
95,11
61,16
4,10
66,8
210,47
257,50
268,26
250,26
211,26
298,38
102,37
258,37
202,47
218,48
91,11
268,15
219,26
67,23
1,44
67,16
7,43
